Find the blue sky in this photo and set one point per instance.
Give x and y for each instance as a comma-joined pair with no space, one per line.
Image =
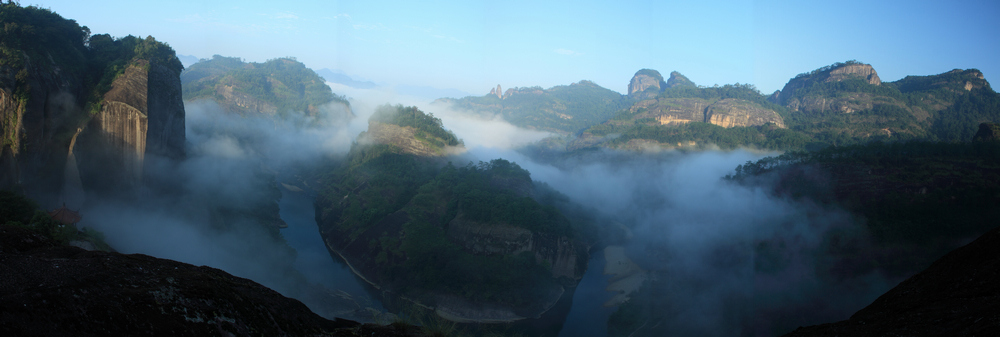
475,45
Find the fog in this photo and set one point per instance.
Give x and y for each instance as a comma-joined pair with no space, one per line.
696,234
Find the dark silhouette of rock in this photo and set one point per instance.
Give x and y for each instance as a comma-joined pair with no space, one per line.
958,295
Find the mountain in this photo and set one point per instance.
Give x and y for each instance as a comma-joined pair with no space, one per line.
187,60
840,104
82,114
562,109
276,87
473,244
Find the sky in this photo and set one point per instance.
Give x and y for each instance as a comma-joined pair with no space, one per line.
474,45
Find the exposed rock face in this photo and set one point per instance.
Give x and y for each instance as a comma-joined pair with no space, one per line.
732,112
828,74
499,91
243,103
33,150
864,71
510,91
51,290
955,296
645,79
678,80
142,114
727,113
403,137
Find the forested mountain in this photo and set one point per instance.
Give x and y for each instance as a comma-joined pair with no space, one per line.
562,109
278,86
478,243
841,104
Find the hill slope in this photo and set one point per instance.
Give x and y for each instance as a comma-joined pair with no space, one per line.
472,242
278,86
561,109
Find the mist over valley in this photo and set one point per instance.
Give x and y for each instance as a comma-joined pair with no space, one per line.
148,191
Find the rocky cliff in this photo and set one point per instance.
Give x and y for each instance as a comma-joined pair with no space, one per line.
733,112
678,80
643,80
141,114
833,73
101,107
727,113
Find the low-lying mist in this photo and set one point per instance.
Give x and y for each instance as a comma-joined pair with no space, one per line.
726,259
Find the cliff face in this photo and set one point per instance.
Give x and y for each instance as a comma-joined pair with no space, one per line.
727,113
732,112
142,114
37,126
678,80
836,73
645,79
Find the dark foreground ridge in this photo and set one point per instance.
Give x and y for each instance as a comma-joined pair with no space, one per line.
54,290
955,296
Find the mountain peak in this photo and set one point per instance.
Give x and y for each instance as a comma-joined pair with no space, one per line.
678,80
645,79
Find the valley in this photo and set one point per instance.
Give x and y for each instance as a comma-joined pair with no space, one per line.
233,197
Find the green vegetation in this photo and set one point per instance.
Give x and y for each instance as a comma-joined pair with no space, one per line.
397,209
18,210
944,107
428,127
283,83
566,108
912,192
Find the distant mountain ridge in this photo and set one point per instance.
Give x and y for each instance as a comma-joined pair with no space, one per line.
563,109
840,104
278,86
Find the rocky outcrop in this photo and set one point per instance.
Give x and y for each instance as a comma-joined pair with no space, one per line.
733,112
864,71
403,137
955,296
497,92
40,113
727,113
53,290
242,103
678,80
833,73
643,80
141,114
